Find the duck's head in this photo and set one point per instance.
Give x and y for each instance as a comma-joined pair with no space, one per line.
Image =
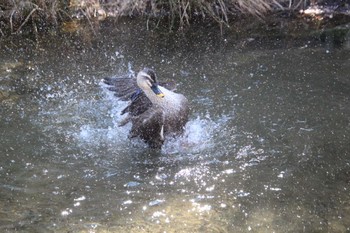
147,80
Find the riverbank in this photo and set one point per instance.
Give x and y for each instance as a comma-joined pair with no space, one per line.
33,17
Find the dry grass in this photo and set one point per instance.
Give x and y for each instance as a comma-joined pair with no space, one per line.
15,14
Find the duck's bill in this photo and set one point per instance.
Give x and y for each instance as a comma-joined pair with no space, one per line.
156,91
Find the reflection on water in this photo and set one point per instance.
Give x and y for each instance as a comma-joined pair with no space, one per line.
266,148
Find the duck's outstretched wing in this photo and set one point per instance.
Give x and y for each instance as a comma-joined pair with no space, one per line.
138,105
123,86
126,89
149,126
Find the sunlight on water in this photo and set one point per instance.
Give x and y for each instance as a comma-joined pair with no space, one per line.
265,148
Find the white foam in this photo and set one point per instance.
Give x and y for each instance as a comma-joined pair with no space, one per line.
200,135
91,122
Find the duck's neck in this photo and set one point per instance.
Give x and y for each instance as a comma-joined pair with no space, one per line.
168,101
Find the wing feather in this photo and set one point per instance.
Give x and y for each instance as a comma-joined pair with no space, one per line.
149,126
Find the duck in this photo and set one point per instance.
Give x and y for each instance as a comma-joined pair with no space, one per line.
154,110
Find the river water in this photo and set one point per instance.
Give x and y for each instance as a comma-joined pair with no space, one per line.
266,148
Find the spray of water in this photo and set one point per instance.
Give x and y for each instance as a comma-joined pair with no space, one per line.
91,122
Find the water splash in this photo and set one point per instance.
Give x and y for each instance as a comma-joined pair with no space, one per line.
92,122
201,134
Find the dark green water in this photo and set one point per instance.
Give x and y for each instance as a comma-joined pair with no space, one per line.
266,149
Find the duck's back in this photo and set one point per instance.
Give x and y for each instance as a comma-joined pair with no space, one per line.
176,112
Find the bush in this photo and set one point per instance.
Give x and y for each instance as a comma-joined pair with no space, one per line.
41,14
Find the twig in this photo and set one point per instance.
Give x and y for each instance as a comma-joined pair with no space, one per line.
66,13
11,23
223,10
88,19
26,20
279,5
297,6
182,13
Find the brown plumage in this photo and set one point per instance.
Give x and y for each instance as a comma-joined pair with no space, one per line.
155,111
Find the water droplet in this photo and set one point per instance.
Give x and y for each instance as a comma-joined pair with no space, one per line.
155,202
131,184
